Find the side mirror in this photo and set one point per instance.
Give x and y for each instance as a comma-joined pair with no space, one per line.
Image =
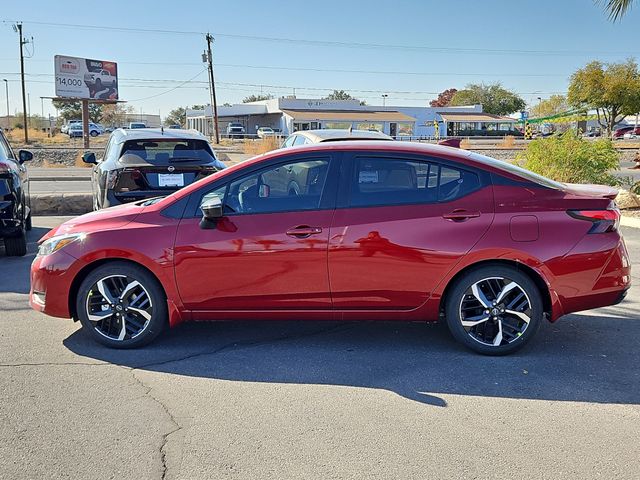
211,211
89,157
24,156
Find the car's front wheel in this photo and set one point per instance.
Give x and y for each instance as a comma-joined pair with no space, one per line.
494,310
122,305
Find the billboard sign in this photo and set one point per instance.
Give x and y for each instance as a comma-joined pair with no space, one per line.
86,78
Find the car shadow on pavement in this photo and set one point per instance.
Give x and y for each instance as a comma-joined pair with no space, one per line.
13,278
582,358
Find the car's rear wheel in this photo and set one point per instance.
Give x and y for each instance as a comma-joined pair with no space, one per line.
16,245
93,133
122,305
494,310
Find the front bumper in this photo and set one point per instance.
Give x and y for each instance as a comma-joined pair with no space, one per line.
51,281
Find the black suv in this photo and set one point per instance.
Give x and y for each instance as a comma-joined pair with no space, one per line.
15,211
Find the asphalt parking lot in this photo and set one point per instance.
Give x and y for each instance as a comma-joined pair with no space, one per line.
316,400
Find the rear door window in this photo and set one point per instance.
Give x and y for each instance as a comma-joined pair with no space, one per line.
395,181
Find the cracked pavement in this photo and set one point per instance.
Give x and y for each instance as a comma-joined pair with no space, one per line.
275,400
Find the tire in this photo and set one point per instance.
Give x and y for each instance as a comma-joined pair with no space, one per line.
93,133
101,316
16,246
28,223
499,329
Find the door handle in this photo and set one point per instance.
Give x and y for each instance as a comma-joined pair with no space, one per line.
303,231
460,215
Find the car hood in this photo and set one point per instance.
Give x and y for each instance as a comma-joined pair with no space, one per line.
107,219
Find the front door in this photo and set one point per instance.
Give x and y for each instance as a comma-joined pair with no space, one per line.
407,222
269,251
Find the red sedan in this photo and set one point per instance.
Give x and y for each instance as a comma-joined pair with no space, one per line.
343,231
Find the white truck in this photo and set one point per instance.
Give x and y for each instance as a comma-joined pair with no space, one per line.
100,79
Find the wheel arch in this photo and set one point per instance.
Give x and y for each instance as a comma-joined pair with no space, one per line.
87,269
532,273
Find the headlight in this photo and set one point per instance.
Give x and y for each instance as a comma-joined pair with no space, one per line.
54,244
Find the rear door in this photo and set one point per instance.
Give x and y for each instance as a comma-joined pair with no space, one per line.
401,224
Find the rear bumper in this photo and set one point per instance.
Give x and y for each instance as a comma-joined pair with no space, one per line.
112,199
596,273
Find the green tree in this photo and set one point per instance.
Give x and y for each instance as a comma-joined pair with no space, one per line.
72,110
616,8
612,89
553,105
570,158
493,98
115,114
177,116
257,98
342,95
444,98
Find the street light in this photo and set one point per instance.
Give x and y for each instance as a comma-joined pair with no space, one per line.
6,86
384,99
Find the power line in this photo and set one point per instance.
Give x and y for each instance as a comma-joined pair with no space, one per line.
170,90
341,44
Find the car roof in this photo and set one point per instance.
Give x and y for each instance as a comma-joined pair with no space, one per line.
125,134
334,134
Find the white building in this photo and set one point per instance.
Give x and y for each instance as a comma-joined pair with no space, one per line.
289,114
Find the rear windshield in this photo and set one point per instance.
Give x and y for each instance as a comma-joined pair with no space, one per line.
162,152
516,170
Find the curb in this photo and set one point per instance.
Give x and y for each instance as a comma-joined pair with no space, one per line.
61,203
59,179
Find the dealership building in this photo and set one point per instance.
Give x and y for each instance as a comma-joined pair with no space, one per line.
289,114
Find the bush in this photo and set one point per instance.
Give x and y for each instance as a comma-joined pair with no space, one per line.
572,159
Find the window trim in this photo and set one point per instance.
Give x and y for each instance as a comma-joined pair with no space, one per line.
347,184
327,198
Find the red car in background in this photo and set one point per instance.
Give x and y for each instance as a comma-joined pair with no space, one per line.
619,133
373,231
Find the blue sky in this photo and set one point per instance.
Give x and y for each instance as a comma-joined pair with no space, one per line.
530,47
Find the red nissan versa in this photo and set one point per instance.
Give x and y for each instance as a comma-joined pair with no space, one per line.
342,231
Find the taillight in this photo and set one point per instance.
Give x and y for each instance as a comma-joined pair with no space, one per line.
603,221
112,178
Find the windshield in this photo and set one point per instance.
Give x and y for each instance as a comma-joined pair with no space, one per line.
163,152
516,170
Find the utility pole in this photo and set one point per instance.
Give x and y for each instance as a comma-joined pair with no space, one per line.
6,87
24,95
212,88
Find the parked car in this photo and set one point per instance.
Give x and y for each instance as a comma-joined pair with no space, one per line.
377,231
100,79
75,130
175,127
235,130
264,132
15,204
65,127
633,133
150,162
306,137
133,125
619,133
